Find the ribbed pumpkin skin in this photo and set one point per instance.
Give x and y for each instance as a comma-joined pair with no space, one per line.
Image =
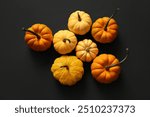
99,70
64,47
45,40
68,70
86,50
79,27
101,35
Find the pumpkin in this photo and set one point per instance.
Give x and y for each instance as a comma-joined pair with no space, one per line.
68,70
106,67
79,22
105,30
86,50
64,41
38,37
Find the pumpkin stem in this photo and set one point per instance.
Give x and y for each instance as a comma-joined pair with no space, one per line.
38,36
107,67
65,40
65,66
88,49
114,13
79,17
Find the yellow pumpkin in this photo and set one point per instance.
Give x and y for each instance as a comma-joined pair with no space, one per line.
106,67
79,22
64,41
86,50
68,70
105,30
38,37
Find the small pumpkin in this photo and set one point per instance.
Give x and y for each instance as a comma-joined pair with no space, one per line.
38,37
64,41
68,70
86,50
106,68
105,30
79,22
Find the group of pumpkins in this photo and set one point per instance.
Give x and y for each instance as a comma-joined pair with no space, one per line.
68,70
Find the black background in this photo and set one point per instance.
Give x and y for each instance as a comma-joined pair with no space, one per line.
25,74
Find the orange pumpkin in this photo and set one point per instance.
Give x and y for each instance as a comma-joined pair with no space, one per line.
106,67
86,50
104,30
38,37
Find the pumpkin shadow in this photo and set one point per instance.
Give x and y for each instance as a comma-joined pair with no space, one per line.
45,58
114,91
116,47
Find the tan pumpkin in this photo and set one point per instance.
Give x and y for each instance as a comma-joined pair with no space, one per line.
68,70
38,37
79,22
86,50
106,68
64,41
105,30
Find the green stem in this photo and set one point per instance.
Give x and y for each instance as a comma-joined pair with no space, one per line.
127,51
38,36
114,13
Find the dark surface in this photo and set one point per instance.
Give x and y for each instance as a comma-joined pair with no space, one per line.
24,74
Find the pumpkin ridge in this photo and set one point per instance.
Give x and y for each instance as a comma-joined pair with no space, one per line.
88,57
114,69
75,27
45,42
79,48
112,27
56,46
47,38
88,23
35,45
70,37
96,65
85,16
90,43
112,23
96,75
99,78
104,58
40,29
45,31
110,56
31,40
93,53
101,26
102,37
97,33
83,55
29,37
